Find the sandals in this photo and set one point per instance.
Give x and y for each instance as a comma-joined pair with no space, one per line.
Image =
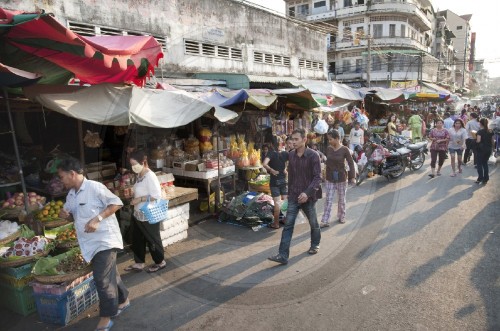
341,221
274,226
453,175
133,267
107,327
156,267
122,309
313,250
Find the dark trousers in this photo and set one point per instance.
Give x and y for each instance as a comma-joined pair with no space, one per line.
470,149
434,157
482,167
146,234
110,288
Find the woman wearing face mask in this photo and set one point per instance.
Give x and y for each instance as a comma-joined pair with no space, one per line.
147,184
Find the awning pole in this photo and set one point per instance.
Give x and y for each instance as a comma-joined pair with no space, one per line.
16,149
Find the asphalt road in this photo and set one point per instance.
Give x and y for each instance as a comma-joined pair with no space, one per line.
415,254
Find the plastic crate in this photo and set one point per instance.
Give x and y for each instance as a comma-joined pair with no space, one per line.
16,282
19,300
58,289
18,272
61,309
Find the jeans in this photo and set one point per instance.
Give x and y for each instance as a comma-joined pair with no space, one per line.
309,209
482,166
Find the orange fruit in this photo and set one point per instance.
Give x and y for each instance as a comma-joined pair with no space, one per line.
45,212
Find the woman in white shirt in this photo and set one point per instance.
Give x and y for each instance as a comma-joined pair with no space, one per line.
456,145
146,185
356,136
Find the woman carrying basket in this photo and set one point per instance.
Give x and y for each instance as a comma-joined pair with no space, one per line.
144,233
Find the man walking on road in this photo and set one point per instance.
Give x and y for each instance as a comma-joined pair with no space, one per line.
304,179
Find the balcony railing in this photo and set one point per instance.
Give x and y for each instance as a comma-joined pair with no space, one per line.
383,41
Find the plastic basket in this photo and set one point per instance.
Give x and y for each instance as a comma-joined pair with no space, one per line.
18,300
61,309
18,272
58,289
155,211
16,282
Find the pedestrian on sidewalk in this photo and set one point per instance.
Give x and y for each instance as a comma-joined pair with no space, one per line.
146,186
440,138
472,127
458,135
415,124
485,143
304,189
93,208
356,136
336,177
275,164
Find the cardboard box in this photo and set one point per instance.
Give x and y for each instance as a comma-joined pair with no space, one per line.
191,166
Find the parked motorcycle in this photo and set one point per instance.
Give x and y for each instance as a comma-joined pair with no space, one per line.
387,162
414,152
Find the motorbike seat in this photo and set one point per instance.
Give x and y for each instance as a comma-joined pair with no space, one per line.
416,146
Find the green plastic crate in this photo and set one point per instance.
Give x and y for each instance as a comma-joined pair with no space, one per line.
18,272
18,283
19,300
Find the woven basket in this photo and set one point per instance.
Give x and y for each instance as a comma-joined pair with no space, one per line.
67,244
63,278
23,260
259,188
55,224
10,238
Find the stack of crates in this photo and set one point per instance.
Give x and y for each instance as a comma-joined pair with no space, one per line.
62,303
15,292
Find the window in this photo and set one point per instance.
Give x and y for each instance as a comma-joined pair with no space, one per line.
346,65
459,27
403,30
274,59
360,32
347,34
192,47
308,64
303,9
377,30
394,18
359,65
347,3
376,63
360,20
291,11
320,4
392,30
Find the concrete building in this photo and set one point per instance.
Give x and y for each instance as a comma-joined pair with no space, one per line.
208,39
377,42
460,27
443,49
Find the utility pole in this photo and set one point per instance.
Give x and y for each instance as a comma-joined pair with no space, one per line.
390,67
369,60
465,52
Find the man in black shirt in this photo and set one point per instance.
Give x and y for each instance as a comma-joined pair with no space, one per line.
275,163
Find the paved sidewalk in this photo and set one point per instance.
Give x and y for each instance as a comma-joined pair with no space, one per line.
219,255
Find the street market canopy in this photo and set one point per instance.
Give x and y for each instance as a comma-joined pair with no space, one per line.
118,105
36,42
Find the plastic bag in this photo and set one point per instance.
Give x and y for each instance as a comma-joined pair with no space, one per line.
492,159
321,127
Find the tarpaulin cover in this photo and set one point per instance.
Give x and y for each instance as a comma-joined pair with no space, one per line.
12,77
108,104
36,42
332,88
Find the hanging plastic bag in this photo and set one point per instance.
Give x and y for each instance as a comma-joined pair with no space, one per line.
321,127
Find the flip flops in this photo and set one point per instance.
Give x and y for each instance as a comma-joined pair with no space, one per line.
121,310
274,226
107,327
132,267
156,267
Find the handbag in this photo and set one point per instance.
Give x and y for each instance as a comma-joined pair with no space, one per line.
155,211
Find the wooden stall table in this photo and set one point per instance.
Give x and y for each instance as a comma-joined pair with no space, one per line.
208,181
181,195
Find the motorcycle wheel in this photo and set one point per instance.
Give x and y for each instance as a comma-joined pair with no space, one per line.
420,163
362,176
399,173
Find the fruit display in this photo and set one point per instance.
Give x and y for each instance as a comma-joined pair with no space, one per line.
25,247
192,146
50,212
16,201
71,263
66,235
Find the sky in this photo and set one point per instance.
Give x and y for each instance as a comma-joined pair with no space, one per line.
485,22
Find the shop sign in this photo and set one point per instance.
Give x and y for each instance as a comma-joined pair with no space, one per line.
213,34
404,84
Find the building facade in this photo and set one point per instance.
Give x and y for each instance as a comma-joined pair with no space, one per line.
202,36
376,42
461,29
443,49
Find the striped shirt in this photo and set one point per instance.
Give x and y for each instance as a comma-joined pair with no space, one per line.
304,175
90,200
